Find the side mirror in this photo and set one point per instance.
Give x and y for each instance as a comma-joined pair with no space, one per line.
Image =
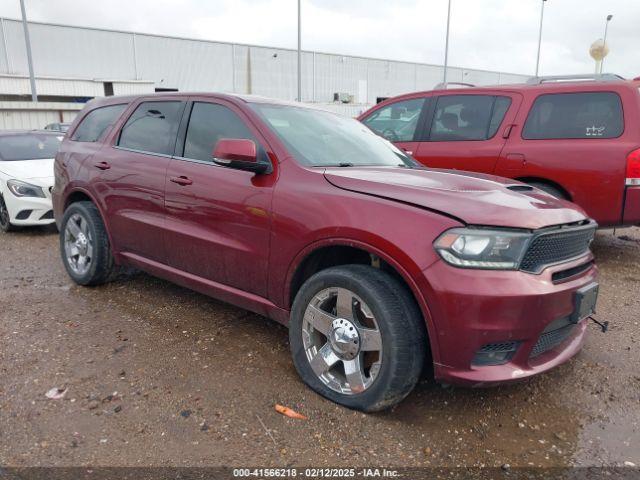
239,153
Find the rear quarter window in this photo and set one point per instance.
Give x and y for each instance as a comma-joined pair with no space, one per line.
96,122
585,115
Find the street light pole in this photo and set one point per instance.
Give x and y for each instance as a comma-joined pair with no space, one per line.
446,45
299,54
27,41
540,38
604,41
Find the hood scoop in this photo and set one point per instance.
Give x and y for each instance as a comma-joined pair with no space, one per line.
519,188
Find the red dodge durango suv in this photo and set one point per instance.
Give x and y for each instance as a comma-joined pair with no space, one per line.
378,266
574,137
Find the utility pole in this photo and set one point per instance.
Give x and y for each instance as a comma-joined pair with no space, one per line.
604,42
446,45
540,38
299,54
27,41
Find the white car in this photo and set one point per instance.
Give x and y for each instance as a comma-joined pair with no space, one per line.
26,177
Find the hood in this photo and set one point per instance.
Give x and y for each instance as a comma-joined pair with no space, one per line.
28,169
474,199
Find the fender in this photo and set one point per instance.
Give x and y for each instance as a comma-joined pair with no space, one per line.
402,271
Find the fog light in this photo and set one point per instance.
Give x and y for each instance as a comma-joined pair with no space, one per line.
495,353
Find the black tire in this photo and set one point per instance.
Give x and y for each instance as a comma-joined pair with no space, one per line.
401,327
102,267
5,223
550,189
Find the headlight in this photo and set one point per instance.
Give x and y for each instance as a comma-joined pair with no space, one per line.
24,189
478,248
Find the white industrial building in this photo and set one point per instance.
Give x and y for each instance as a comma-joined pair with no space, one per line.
73,64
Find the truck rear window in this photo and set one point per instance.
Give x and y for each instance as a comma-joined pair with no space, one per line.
575,115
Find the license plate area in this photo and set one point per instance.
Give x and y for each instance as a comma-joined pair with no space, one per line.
585,302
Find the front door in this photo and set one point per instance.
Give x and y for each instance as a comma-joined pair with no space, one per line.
467,131
218,219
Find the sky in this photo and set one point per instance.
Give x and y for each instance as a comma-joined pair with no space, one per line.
486,34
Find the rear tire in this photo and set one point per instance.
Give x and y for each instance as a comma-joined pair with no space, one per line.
394,334
550,189
84,245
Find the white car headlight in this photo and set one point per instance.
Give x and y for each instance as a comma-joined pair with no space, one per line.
483,248
24,189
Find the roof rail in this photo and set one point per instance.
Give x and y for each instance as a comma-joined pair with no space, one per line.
444,85
588,77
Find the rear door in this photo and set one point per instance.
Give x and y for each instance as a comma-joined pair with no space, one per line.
400,122
466,131
218,218
130,177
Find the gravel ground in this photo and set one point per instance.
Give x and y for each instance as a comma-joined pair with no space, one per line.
158,375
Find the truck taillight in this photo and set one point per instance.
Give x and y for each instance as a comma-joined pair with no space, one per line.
633,168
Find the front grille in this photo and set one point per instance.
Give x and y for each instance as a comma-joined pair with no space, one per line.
551,339
47,216
557,246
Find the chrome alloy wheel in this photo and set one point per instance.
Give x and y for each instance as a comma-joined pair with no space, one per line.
78,244
342,341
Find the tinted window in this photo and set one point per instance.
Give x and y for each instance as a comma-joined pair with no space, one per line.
396,122
208,124
96,122
462,117
28,146
575,115
152,127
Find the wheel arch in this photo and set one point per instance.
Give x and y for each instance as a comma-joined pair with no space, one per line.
81,195
551,183
333,252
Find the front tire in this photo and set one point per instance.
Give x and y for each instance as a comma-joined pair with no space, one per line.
84,245
357,337
5,218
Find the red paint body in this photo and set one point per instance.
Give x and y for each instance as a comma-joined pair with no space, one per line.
240,236
591,172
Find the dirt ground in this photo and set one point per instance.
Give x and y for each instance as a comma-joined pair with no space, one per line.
158,375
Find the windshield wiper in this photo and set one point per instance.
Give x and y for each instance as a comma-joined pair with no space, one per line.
345,164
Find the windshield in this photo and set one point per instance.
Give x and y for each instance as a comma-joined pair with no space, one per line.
31,146
323,139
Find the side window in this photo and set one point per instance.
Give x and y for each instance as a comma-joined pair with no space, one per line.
462,117
152,127
575,115
96,122
396,122
209,122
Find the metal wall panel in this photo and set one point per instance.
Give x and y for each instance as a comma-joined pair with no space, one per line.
184,64
187,64
51,86
71,52
132,88
26,119
4,56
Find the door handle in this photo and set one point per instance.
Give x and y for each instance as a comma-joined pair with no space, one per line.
507,131
181,180
408,152
103,165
